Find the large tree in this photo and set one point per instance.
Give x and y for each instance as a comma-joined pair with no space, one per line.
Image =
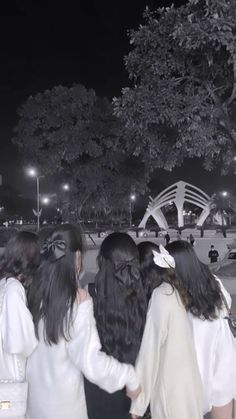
183,99
71,133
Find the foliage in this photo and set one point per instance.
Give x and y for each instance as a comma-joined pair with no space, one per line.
224,206
183,66
72,134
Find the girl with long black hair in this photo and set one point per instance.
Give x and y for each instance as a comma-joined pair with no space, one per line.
68,341
214,343
166,364
17,338
120,311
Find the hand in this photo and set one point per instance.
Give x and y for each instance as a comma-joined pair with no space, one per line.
133,394
134,416
82,295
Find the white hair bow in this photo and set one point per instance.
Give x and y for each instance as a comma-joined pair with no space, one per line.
163,259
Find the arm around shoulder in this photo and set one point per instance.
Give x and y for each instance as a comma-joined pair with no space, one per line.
85,351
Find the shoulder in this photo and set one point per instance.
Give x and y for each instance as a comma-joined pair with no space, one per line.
14,289
162,299
162,292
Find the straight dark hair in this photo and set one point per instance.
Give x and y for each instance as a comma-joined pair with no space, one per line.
153,276
120,303
197,280
21,256
53,291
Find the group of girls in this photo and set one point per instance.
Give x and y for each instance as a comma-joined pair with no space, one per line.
154,335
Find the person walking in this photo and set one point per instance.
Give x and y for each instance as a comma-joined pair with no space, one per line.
120,310
167,238
191,239
17,266
166,364
214,342
213,254
69,345
179,235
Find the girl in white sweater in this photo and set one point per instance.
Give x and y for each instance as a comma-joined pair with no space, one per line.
214,342
166,364
69,345
17,338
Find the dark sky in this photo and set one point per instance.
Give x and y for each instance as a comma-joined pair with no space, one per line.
43,44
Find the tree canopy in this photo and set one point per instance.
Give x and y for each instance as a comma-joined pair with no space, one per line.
72,134
183,99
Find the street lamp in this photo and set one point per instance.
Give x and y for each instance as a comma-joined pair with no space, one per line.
224,193
45,200
33,173
132,199
66,187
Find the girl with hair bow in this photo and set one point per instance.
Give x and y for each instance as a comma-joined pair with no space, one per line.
166,364
69,345
120,310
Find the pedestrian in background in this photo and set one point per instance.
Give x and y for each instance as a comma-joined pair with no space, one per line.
167,238
191,239
213,254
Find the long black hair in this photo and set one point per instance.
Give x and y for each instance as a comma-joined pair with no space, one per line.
153,275
197,280
120,303
21,257
54,287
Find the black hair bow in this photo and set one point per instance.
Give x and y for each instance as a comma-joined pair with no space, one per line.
126,271
54,249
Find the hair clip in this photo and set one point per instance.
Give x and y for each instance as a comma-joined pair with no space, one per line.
163,259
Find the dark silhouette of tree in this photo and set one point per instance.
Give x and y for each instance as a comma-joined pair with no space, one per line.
183,68
224,206
71,133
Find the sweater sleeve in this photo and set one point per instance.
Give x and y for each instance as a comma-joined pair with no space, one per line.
148,360
84,349
17,324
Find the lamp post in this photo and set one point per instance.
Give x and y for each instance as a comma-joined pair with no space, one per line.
131,199
33,173
224,194
66,202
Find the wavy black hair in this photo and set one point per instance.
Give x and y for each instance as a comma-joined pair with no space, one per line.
120,302
54,287
197,280
21,256
153,276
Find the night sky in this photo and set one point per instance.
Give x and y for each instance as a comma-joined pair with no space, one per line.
44,44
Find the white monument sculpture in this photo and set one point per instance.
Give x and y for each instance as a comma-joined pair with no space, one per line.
177,194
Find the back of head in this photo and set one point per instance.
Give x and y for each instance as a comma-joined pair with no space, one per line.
197,279
21,256
120,304
54,286
153,275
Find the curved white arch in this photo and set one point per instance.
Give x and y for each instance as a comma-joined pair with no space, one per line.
178,193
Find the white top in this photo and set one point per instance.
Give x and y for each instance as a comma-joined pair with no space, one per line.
216,355
16,331
166,364
54,372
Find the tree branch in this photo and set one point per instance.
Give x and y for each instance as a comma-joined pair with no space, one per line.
233,93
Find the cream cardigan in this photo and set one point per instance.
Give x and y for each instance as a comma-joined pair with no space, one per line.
167,364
